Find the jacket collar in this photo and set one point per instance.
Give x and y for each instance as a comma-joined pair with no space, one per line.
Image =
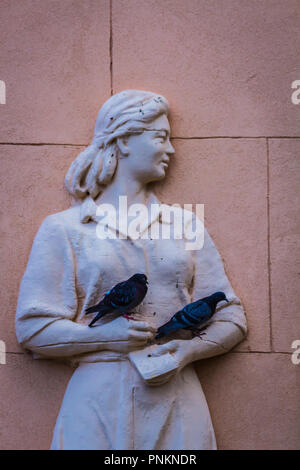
88,213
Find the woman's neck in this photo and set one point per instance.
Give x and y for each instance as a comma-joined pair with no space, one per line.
136,193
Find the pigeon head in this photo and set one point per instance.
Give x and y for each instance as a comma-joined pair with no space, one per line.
218,296
214,299
141,278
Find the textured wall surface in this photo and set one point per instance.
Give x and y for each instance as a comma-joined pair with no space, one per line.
226,68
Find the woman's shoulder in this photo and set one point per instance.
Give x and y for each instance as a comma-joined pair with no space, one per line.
63,221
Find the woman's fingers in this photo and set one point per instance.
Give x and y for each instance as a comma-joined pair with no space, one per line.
172,346
141,326
140,335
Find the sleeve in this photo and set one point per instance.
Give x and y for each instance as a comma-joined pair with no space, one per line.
47,290
47,304
228,325
210,277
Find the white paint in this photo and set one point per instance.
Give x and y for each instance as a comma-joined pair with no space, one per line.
108,404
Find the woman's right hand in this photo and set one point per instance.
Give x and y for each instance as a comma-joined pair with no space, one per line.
122,335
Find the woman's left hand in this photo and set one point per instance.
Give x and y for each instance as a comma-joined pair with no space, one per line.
180,350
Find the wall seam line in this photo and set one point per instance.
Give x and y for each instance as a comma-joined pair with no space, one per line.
269,245
111,46
289,353
236,137
42,143
172,138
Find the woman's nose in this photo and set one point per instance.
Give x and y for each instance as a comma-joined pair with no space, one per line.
170,149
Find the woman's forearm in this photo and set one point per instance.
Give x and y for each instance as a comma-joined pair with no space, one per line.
219,338
64,338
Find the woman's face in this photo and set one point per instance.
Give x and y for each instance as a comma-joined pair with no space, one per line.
147,154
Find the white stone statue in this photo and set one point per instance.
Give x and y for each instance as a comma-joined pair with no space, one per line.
110,403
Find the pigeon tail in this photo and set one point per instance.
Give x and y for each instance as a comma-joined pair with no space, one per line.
95,308
102,312
93,321
165,329
160,334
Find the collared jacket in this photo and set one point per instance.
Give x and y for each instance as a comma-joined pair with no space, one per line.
69,269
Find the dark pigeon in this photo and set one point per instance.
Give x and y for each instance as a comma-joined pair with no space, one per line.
122,298
193,315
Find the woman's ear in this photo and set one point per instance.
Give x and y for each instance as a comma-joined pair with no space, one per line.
123,147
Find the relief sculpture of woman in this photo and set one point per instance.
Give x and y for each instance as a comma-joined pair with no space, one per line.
107,404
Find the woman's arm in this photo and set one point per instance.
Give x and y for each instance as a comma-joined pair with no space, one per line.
47,304
219,338
228,325
65,338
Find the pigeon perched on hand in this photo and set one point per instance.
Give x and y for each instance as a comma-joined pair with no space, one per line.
193,315
122,298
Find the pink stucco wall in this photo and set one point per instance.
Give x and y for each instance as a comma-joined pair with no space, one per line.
226,68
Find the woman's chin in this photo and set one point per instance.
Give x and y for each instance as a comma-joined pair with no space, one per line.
159,174
157,178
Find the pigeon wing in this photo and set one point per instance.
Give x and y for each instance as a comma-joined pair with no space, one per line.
195,314
121,295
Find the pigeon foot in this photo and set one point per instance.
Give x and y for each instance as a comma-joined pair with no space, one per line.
199,334
129,317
